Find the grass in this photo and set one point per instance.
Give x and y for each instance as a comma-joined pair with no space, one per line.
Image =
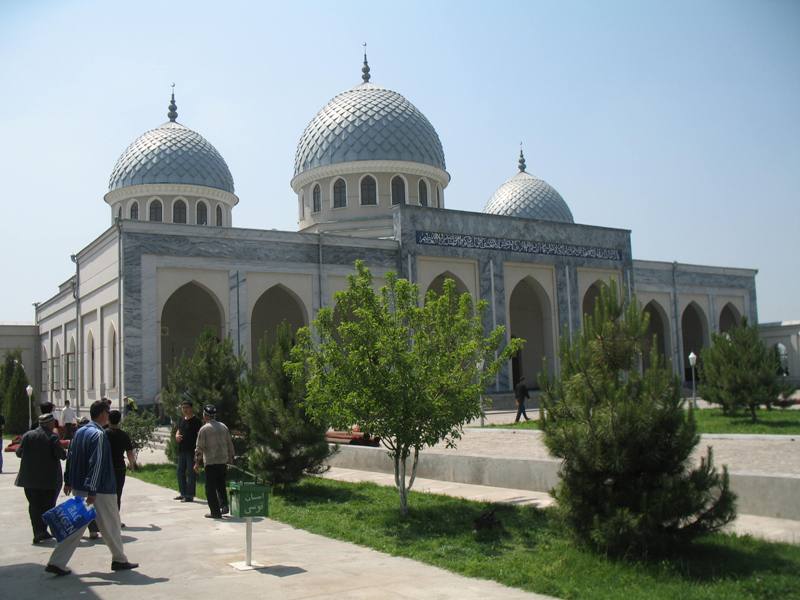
530,551
711,420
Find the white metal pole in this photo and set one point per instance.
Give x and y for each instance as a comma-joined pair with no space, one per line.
249,551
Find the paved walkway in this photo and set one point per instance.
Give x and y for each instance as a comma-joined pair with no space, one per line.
184,555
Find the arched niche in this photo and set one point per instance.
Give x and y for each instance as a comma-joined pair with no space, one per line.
276,305
530,318
590,298
190,310
694,331
729,318
437,284
658,327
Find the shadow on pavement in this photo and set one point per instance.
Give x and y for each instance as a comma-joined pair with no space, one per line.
121,578
280,570
150,527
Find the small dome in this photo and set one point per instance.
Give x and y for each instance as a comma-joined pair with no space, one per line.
171,153
368,122
528,197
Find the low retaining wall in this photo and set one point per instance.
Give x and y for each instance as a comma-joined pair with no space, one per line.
776,496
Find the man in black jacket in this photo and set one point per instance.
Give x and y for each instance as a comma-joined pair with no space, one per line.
40,472
186,437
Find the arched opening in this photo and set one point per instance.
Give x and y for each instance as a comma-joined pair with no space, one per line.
219,216
56,368
179,212
45,371
369,191
398,190
339,194
70,363
316,199
729,318
190,310
694,329
530,319
135,211
90,366
590,298
276,305
437,284
156,211
423,193
658,328
202,213
112,358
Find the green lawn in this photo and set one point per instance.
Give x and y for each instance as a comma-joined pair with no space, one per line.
711,420
529,551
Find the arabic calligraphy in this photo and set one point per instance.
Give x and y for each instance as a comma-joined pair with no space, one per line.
459,240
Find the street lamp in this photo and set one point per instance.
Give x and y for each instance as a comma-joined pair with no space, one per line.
692,363
29,391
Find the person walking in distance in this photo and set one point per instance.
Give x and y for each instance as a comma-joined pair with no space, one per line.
68,420
215,451
120,447
90,474
40,472
521,394
186,437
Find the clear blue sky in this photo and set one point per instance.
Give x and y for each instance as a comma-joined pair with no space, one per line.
678,120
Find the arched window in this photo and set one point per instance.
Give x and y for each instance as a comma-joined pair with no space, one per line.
369,191
398,190
219,216
339,194
179,212
155,210
316,201
135,211
56,367
301,208
202,213
90,366
112,359
423,193
438,197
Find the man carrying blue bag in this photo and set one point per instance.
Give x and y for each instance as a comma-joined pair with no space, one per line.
90,475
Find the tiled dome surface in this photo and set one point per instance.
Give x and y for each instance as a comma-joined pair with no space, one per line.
528,197
171,153
368,122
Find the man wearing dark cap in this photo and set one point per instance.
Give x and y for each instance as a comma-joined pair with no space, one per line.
90,475
215,451
186,437
40,472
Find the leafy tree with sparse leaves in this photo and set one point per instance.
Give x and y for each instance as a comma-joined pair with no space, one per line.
738,371
628,485
140,427
283,443
409,374
210,375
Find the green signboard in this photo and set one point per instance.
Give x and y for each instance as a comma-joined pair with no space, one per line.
248,499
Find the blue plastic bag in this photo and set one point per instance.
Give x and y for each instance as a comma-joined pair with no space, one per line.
68,517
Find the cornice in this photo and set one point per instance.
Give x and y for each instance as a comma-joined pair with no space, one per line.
170,189
370,166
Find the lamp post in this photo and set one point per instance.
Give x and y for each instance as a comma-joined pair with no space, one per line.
692,363
29,391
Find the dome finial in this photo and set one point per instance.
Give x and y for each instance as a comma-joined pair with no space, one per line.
522,165
173,108
365,68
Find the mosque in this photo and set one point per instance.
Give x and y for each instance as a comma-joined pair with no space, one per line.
370,180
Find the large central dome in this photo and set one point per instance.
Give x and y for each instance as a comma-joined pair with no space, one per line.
368,122
171,153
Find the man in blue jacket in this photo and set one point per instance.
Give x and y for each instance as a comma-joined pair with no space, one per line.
90,474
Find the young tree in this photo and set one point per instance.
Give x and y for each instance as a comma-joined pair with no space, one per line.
16,400
627,482
411,375
738,371
140,427
283,442
211,375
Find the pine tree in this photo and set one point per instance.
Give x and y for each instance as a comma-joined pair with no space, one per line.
16,400
627,483
283,442
6,371
738,371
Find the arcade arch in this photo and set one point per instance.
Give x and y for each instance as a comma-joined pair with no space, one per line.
694,332
658,327
274,306
729,318
530,318
437,284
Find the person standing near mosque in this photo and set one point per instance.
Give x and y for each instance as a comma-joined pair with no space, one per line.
215,451
521,394
90,475
40,472
186,437
121,446
68,420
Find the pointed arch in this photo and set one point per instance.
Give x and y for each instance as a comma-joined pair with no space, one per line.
90,361
55,376
202,213
70,362
339,195
187,313
437,284
45,369
398,188
179,211
590,298
368,191
694,333
134,211
530,318
729,317
219,215
276,305
423,192
316,199
155,210
111,357
658,327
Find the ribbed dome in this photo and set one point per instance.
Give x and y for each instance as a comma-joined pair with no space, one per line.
368,122
528,197
171,153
